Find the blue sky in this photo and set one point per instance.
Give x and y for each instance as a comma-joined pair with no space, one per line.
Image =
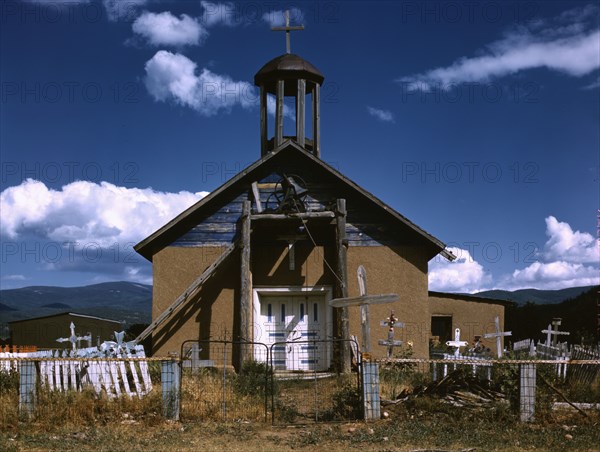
479,121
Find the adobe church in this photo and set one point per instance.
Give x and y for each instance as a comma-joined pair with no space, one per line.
260,257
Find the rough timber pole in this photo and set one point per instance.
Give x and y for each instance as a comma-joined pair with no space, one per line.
279,113
342,283
245,282
263,121
316,121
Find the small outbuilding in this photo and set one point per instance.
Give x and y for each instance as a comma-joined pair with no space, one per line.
43,332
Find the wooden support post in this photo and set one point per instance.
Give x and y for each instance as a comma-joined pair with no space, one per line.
245,282
317,121
300,112
342,282
170,384
527,392
279,113
27,388
263,122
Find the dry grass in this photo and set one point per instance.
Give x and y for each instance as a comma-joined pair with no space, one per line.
204,397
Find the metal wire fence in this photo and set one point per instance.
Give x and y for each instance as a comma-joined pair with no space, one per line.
198,388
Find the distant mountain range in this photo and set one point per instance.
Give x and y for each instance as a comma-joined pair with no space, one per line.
128,302
131,303
534,296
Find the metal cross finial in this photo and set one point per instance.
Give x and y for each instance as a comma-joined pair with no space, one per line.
287,28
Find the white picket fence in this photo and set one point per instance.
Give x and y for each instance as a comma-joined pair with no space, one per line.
106,369
562,353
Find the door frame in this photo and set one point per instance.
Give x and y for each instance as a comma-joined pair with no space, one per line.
259,291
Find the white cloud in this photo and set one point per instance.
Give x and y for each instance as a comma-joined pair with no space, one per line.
166,29
125,10
14,278
86,212
277,18
172,77
219,13
567,245
569,44
382,115
553,275
464,274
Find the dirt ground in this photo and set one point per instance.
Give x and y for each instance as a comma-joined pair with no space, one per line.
414,432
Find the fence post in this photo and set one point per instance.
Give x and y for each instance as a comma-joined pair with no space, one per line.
527,391
370,389
27,386
170,382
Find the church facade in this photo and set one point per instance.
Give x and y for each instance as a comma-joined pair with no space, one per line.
259,258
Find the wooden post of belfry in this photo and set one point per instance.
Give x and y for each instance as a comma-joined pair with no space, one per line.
245,284
341,284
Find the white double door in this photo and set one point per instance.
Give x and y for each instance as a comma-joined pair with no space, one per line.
289,323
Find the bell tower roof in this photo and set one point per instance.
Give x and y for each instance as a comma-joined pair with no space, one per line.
290,76
287,67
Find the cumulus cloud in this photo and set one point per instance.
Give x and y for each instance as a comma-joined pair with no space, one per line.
569,258
381,115
219,14
567,245
88,212
172,77
166,29
569,44
554,275
122,10
84,227
464,274
276,18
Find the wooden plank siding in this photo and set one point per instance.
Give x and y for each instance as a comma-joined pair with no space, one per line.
363,228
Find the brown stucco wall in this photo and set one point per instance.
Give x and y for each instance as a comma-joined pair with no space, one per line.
44,331
472,317
400,270
209,315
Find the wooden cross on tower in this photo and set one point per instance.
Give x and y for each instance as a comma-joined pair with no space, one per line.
364,301
498,334
287,28
456,343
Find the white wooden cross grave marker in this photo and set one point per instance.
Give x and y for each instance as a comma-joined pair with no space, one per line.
364,301
553,333
498,334
370,370
74,339
391,322
456,343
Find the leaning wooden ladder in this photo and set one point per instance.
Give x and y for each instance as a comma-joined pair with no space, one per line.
187,294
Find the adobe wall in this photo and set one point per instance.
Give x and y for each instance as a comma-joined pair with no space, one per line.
472,317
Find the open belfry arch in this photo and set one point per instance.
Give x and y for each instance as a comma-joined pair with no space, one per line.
260,257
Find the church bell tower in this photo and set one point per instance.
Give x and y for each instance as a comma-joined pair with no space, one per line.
290,76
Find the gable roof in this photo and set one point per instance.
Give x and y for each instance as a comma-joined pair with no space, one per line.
194,214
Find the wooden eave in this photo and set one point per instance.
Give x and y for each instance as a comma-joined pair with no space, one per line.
193,215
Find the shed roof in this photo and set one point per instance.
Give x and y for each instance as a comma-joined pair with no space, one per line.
73,314
473,298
